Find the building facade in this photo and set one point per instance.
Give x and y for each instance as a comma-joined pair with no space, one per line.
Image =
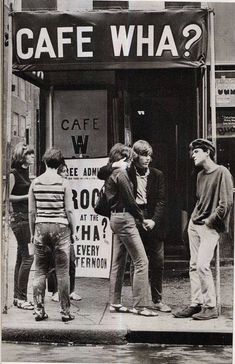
145,87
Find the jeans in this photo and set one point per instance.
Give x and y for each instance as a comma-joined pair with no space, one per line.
24,261
154,248
202,242
127,240
51,277
55,239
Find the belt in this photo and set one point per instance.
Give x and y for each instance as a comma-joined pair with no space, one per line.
143,206
119,210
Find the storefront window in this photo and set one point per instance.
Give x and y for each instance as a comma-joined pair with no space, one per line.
15,125
225,119
80,122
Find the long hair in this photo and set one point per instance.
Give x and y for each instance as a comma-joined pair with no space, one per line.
19,154
118,152
141,147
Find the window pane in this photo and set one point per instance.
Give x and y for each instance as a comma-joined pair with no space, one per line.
15,84
22,90
15,125
22,126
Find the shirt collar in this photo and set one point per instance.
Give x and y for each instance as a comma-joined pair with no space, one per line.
142,175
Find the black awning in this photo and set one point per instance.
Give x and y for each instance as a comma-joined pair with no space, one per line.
53,41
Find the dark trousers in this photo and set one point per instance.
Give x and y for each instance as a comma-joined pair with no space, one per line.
24,261
154,248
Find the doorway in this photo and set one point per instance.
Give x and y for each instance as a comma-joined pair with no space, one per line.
160,106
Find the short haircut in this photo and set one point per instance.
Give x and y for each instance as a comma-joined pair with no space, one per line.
203,144
21,150
118,152
141,147
53,158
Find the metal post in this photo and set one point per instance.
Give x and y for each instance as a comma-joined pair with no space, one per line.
50,111
7,166
213,135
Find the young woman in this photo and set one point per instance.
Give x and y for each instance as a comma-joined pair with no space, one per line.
52,225
22,158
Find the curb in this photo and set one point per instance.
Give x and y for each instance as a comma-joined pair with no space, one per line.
180,338
96,335
107,335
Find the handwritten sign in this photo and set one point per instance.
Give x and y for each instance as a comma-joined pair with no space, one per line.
80,121
93,246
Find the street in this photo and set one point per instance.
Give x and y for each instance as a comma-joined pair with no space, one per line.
130,353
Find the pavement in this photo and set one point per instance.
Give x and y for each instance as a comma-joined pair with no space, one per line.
94,324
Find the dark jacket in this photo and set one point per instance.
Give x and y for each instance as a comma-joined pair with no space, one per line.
156,200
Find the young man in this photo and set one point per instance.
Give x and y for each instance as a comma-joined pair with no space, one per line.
210,217
149,192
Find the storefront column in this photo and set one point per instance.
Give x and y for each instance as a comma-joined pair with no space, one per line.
50,116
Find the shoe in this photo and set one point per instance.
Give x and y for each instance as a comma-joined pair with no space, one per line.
144,312
55,297
119,308
25,305
187,312
41,316
74,296
161,307
206,313
67,317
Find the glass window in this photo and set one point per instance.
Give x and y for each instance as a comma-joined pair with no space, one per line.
22,126
110,4
28,91
15,125
15,85
29,5
225,118
22,89
182,4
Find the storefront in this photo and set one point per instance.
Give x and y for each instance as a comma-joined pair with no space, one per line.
110,77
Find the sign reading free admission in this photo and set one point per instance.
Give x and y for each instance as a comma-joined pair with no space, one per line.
86,40
93,246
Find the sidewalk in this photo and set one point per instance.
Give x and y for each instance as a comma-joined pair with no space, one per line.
94,324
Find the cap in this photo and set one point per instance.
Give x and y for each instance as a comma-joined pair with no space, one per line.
202,143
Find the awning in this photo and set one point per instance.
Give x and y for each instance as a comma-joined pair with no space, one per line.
53,41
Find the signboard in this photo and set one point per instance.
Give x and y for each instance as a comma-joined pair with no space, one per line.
225,92
80,122
225,123
93,246
120,39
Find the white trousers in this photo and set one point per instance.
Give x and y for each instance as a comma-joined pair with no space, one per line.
202,242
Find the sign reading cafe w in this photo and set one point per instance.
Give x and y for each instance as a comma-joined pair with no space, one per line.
75,40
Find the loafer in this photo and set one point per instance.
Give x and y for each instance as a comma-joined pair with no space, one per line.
160,306
41,316
207,313
67,317
55,297
74,296
188,311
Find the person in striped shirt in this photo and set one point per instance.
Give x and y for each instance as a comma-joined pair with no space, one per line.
52,226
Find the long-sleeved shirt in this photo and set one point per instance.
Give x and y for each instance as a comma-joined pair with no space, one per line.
119,192
214,199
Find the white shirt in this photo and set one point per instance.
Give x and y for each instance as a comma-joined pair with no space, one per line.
141,197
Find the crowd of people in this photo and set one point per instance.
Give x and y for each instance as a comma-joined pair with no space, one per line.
43,216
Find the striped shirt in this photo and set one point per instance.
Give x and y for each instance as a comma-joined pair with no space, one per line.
49,200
